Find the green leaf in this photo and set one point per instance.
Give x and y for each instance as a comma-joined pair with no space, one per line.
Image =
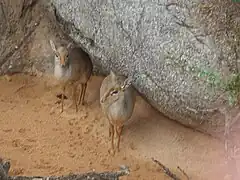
202,74
230,85
232,98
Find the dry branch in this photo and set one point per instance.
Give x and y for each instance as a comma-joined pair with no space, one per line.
5,166
183,172
24,86
166,170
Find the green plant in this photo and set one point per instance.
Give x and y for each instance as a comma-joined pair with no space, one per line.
229,85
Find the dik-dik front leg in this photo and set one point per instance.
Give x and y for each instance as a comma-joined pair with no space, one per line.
111,132
119,132
62,97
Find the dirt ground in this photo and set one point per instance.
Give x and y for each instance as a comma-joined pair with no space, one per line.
39,140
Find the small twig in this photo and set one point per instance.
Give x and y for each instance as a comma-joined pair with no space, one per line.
207,110
202,110
23,86
183,172
166,170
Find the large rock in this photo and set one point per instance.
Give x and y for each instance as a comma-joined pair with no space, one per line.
25,28
162,45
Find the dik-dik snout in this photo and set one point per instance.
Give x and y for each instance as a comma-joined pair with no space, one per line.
62,58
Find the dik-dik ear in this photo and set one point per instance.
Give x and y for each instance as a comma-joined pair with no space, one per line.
53,46
69,45
126,83
113,75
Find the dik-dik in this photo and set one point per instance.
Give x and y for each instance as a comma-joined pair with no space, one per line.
117,100
72,66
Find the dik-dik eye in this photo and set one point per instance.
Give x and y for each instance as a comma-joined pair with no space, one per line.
114,92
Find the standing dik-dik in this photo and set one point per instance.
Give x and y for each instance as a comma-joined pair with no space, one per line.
72,66
117,100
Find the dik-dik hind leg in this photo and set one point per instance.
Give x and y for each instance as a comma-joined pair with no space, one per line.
119,132
110,131
82,94
74,95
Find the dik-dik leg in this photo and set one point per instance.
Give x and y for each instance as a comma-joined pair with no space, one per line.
62,98
111,131
119,132
82,94
74,95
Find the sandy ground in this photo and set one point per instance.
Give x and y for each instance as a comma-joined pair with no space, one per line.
40,141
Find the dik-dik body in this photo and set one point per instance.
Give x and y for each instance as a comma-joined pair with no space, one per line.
72,66
117,100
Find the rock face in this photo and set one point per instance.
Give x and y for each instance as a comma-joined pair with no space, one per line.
25,28
162,45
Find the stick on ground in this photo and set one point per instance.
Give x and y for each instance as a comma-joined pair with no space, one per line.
166,170
24,86
183,172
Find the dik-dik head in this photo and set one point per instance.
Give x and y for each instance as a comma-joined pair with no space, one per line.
61,53
118,84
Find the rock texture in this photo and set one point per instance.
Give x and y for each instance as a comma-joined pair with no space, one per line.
26,27
163,45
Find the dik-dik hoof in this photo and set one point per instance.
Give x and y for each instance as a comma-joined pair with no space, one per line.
111,152
110,133
61,111
57,102
84,103
59,96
